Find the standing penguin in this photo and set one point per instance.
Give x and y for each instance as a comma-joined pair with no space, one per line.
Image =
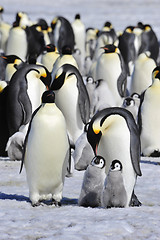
141,78
63,33
46,152
113,134
4,133
72,99
114,193
127,48
93,182
149,117
149,42
17,43
13,62
4,31
110,67
80,36
49,56
24,95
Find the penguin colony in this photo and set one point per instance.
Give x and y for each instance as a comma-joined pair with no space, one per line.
73,98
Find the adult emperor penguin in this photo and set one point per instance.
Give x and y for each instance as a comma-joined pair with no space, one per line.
49,56
113,134
65,57
149,42
46,152
17,43
24,95
110,67
114,193
93,182
4,133
4,31
80,37
13,62
63,33
149,117
71,98
127,48
141,78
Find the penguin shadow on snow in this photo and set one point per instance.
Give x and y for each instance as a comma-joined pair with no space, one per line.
19,198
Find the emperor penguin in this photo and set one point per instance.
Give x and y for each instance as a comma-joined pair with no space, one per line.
4,133
113,134
49,56
12,63
114,193
72,99
65,57
46,152
4,31
80,37
149,42
131,103
127,48
45,29
110,67
93,182
17,43
24,95
149,117
141,78
63,34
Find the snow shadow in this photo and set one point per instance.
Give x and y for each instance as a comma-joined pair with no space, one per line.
19,198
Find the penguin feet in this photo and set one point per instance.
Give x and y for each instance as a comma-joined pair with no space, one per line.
56,203
134,201
36,204
156,153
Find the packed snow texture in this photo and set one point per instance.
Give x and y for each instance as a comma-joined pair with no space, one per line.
18,219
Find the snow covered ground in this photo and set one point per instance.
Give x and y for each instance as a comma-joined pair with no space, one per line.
18,219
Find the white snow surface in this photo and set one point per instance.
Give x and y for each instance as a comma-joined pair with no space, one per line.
18,219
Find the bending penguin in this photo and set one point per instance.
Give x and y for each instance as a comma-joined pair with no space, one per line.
114,193
149,117
46,152
72,99
93,182
113,134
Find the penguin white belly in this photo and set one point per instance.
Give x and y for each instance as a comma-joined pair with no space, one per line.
150,135
35,90
115,144
49,59
142,76
44,160
109,69
17,43
67,101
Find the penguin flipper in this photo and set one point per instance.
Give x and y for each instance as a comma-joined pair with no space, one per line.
135,148
122,80
83,102
26,108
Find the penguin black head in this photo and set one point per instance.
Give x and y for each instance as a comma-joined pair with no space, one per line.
129,29
66,50
156,72
116,165
48,97
110,48
108,24
128,101
46,78
98,161
43,24
11,58
1,9
50,48
77,16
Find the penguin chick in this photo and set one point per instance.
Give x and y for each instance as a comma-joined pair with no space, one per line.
14,146
93,182
114,193
46,152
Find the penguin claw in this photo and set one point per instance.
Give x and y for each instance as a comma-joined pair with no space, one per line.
36,204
